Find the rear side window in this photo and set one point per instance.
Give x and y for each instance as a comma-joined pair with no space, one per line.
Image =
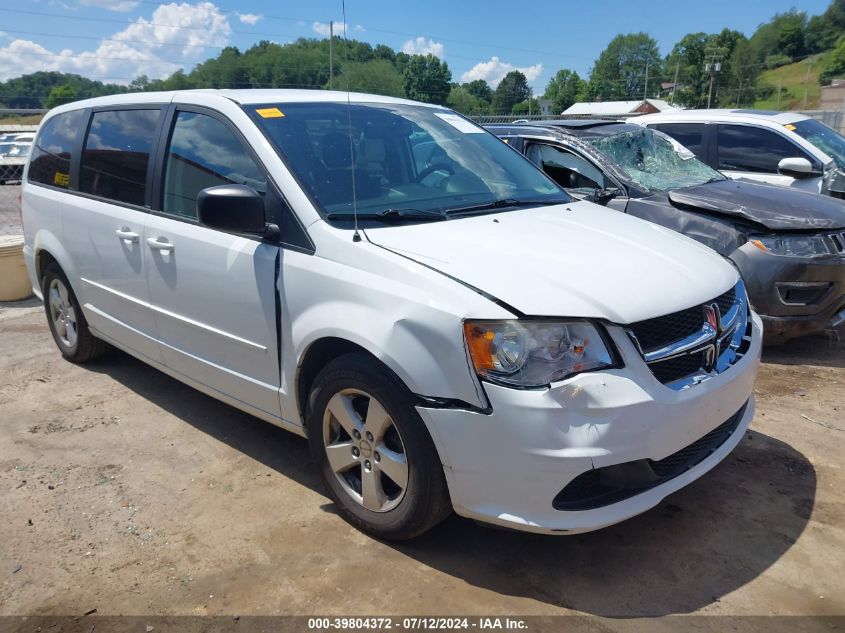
117,153
203,152
690,135
51,153
754,149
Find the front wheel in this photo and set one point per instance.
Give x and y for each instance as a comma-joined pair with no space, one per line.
374,453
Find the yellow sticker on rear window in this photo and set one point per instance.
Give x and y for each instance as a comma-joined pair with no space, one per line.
61,180
270,113
790,127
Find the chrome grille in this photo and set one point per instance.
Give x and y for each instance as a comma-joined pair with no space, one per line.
838,240
692,345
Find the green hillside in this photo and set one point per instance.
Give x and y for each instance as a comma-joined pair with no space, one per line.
792,79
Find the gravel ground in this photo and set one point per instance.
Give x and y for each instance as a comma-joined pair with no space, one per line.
124,491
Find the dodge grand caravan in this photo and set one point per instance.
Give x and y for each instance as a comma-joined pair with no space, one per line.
442,322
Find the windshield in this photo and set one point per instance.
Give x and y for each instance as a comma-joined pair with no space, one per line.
654,160
823,137
409,158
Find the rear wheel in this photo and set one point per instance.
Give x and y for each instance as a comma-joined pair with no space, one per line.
373,450
67,323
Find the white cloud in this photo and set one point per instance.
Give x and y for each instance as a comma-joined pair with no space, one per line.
322,28
422,46
250,18
111,5
154,47
340,28
493,71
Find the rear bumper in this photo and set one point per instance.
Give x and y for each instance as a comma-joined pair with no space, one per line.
794,296
509,466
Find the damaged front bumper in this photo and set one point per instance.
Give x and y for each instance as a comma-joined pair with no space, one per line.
520,465
795,296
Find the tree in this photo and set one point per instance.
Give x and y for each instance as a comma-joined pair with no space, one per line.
140,83
782,35
511,90
480,89
426,78
60,95
382,51
835,66
620,70
377,76
823,30
564,89
523,107
465,102
694,51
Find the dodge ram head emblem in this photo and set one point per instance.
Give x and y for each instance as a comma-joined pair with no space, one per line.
713,316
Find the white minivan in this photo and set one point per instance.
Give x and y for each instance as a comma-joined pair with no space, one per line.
443,323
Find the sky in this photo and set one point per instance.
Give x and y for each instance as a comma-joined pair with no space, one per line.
117,40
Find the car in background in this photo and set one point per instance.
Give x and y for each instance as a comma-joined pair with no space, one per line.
779,148
15,148
13,155
788,244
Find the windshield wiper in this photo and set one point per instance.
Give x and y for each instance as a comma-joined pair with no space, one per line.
503,203
392,215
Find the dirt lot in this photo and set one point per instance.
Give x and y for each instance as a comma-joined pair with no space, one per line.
125,491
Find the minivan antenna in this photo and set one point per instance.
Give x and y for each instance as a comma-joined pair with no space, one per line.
356,236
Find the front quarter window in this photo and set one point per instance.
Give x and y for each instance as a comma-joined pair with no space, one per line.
398,157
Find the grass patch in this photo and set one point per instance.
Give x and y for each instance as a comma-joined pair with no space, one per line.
793,79
29,119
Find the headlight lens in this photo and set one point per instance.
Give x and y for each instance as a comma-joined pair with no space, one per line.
794,245
534,353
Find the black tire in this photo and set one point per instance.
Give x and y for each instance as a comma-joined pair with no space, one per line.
86,346
425,500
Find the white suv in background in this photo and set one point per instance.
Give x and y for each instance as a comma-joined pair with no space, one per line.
780,148
442,322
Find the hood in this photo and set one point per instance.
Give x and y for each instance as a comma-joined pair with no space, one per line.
776,208
571,260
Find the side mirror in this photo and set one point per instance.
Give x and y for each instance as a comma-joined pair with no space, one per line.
796,168
603,196
235,208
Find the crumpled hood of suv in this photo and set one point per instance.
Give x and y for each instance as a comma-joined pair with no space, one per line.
776,208
571,260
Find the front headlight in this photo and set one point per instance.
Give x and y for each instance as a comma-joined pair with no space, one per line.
534,353
794,245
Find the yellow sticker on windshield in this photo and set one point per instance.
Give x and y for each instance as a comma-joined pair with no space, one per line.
790,127
270,113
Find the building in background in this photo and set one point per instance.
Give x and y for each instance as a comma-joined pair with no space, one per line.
618,108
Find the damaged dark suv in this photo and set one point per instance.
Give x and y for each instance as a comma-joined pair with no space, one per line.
789,245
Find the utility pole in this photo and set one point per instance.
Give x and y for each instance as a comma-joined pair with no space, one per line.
739,93
331,53
675,85
645,90
713,67
806,81
780,85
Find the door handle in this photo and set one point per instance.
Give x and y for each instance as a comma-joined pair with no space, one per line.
159,244
127,235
